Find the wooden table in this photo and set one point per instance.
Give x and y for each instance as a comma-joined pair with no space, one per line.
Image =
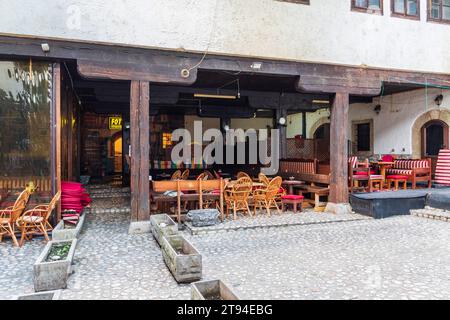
291,184
383,165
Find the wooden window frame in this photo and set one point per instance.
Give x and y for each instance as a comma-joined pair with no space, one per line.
354,7
296,1
405,15
355,138
430,18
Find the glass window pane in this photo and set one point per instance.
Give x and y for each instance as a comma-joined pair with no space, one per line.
435,9
446,13
412,8
374,4
399,6
25,101
361,3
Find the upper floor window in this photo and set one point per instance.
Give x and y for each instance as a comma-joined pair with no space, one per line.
369,6
439,10
296,1
406,8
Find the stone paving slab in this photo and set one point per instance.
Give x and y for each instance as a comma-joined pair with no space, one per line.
307,217
432,213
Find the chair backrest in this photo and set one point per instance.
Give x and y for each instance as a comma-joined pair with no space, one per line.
20,204
185,175
273,188
353,161
242,189
209,175
176,175
412,163
201,176
387,158
52,204
263,179
242,174
442,174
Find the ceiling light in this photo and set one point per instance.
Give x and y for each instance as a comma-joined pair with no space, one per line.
321,101
256,65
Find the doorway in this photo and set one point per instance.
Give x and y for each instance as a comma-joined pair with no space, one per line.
434,138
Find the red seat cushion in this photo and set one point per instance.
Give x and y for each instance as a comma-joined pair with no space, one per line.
397,176
292,197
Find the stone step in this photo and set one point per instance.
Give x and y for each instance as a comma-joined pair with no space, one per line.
432,213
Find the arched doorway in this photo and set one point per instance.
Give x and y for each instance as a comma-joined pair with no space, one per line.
434,138
322,142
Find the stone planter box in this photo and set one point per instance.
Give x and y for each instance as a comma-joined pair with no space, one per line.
182,259
61,233
48,295
212,290
53,275
159,230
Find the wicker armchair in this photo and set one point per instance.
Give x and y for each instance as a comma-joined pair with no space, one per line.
237,197
10,215
267,197
36,220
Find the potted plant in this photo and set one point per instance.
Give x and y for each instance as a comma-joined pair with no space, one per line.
53,266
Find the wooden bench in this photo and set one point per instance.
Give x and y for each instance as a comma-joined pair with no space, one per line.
202,189
416,170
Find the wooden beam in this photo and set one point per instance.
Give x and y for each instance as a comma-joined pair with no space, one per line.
323,83
281,112
338,149
139,132
150,70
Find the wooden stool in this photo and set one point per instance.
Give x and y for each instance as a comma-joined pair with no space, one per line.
293,200
396,179
376,180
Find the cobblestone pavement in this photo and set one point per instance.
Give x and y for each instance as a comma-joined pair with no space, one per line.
16,267
403,257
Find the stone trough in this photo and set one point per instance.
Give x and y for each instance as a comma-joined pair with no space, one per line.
60,232
182,259
212,290
53,275
47,295
162,225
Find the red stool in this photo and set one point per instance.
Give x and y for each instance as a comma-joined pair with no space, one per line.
293,200
396,179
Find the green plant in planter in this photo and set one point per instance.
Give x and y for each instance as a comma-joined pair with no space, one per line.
59,252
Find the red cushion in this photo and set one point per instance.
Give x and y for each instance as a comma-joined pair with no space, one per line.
397,176
292,197
387,158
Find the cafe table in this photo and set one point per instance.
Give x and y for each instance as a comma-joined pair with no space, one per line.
291,184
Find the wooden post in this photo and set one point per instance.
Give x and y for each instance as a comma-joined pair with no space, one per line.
338,149
57,133
140,157
283,132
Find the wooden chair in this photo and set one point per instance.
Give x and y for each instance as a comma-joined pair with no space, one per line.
10,215
185,175
202,176
237,196
36,220
267,196
176,175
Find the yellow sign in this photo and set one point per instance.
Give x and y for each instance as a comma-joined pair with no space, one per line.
115,123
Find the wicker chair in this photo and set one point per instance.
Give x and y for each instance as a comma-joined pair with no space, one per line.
35,221
242,174
176,175
10,215
263,179
267,197
237,197
185,175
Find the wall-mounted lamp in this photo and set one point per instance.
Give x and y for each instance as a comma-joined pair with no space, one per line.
45,47
226,127
377,109
438,100
282,121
